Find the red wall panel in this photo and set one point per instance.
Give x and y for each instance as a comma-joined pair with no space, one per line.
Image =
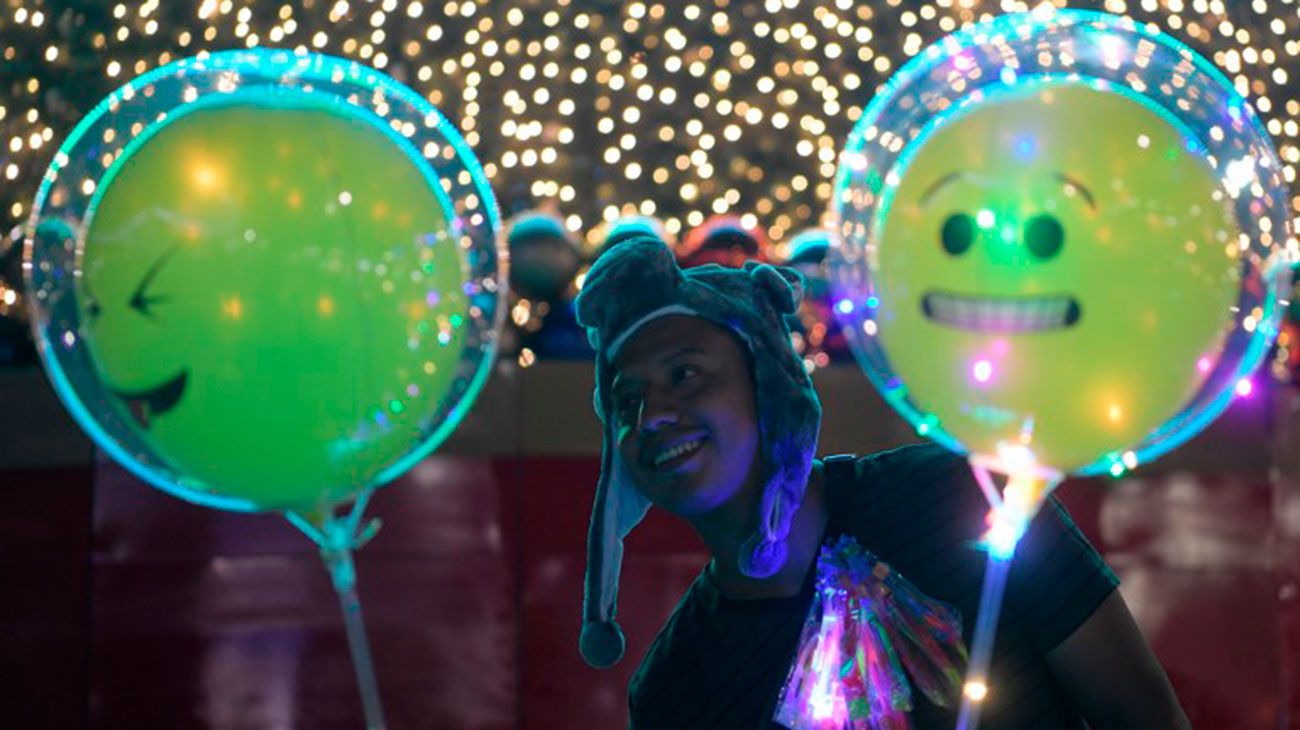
181,617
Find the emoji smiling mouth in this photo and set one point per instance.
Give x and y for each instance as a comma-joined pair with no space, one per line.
1001,315
146,405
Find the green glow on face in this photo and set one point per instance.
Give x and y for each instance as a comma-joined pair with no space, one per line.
274,292
1099,271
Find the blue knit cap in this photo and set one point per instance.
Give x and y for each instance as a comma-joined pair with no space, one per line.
634,283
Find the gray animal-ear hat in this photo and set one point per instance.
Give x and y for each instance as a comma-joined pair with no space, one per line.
636,282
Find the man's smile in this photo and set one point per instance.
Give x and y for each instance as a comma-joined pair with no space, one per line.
146,405
1000,315
671,453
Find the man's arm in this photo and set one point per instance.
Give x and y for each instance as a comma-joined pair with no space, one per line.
1108,669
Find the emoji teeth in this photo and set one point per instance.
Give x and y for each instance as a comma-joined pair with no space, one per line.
999,314
676,451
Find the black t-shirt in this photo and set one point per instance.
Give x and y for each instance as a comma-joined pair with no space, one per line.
719,662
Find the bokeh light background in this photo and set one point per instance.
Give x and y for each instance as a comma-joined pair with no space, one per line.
591,108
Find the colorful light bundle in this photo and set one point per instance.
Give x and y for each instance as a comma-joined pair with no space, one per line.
867,632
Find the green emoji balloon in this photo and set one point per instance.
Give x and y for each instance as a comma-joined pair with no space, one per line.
273,294
264,280
1059,261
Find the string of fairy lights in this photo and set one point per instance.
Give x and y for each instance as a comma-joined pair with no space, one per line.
594,108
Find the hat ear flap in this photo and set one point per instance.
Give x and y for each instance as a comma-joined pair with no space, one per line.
783,286
618,508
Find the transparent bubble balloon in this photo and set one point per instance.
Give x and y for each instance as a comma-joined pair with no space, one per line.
1061,232
265,280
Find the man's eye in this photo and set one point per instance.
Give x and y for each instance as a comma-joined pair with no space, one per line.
684,372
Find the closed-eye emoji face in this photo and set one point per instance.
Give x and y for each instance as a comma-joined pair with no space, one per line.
1054,263
272,292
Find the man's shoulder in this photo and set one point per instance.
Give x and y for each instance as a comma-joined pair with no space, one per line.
908,467
923,483
914,461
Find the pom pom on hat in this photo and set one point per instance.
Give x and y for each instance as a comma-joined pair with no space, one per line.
601,643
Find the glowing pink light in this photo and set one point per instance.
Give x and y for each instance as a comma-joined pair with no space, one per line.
1244,387
1203,365
982,370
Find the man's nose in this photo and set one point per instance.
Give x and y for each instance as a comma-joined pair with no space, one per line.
657,411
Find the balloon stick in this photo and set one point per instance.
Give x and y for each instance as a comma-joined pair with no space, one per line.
338,538
1028,485
986,624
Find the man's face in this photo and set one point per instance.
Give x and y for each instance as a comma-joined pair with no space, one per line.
683,410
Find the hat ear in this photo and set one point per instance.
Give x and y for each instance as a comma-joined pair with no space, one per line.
784,286
626,279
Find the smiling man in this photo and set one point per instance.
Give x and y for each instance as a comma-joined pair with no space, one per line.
709,414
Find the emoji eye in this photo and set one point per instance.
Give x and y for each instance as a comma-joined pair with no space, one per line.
140,300
143,303
1044,236
958,234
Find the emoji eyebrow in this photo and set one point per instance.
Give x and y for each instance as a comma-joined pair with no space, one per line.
934,187
1063,178
1087,194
